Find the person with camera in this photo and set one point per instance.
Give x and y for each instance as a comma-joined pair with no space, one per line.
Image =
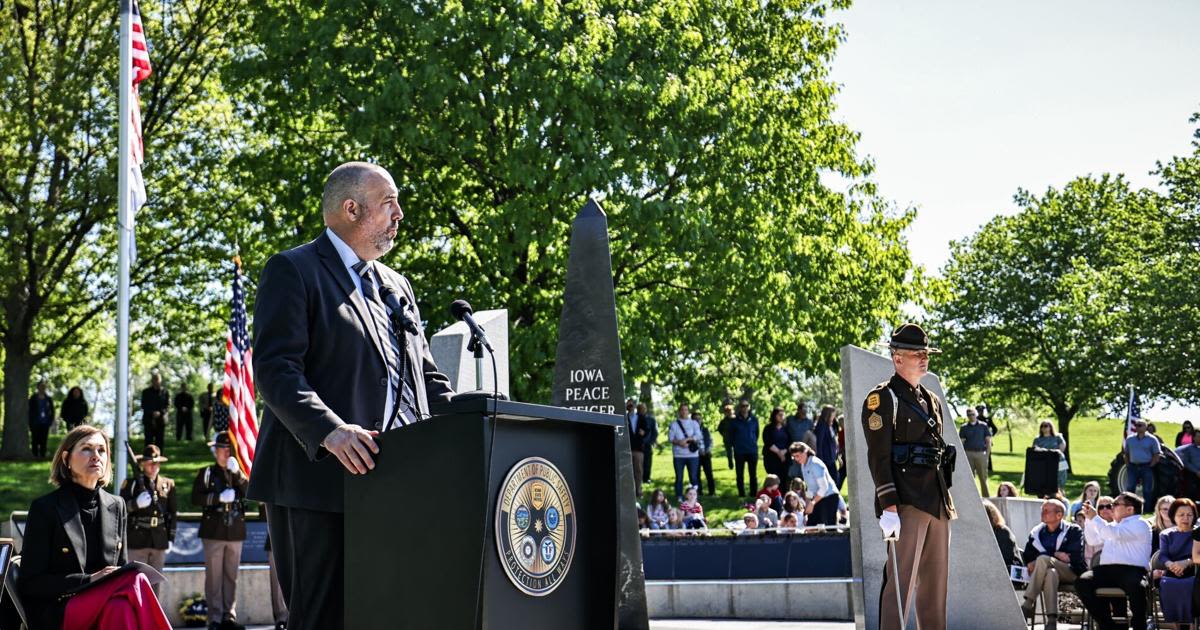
151,505
220,490
685,437
910,465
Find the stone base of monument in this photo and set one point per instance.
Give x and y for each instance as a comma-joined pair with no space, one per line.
253,592
449,349
975,563
814,599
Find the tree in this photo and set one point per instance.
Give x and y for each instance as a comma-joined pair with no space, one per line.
1042,306
58,162
706,128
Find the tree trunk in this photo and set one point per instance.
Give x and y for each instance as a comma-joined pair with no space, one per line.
18,367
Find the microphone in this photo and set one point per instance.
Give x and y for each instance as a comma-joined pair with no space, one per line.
399,306
461,310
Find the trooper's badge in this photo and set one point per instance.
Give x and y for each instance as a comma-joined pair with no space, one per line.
875,422
873,402
535,526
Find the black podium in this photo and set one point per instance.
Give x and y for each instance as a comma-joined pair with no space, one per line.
436,539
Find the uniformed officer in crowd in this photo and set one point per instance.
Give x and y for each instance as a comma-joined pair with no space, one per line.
910,465
152,507
220,490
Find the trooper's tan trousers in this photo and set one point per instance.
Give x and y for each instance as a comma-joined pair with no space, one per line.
923,552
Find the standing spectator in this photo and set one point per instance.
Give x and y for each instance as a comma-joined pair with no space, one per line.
767,517
821,501
840,424
154,412
659,509
152,507
987,419
74,408
685,437
184,403
41,417
1142,453
650,442
745,446
1123,563
976,439
1162,519
827,447
692,511
706,449
800,426
1054,556
725,428
1090,494
1006,490
1048,440
1186,435
1174,564
207,402
220,489
635,423
775,445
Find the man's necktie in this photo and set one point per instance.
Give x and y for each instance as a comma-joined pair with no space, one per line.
395,355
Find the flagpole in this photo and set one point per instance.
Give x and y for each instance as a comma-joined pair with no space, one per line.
124,239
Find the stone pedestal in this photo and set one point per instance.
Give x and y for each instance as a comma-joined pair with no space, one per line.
449,348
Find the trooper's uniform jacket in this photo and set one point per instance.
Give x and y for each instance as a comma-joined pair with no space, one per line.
893,426
151,527
221,521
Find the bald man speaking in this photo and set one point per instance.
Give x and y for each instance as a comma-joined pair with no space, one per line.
334,371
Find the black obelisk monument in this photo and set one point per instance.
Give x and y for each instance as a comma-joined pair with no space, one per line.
587,376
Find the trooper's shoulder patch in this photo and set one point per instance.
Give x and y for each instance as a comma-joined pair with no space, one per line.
875,422
873,401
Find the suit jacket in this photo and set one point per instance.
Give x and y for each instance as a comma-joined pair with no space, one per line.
319,364
54,552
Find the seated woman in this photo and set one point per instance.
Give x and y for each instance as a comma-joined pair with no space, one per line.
1004,536
1048,440
1174,563
693,512
76,535
1162,519
1006,489
659,509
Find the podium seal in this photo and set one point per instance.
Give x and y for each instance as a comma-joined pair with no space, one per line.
535,526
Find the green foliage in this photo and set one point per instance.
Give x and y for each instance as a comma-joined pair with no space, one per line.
706,129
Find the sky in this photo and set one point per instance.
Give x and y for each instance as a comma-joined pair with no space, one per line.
962,103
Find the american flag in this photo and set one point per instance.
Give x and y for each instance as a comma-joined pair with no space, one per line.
238,391
141,70
1133,412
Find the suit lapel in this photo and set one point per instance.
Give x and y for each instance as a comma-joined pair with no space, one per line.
68,514
333,264
109,522
413,347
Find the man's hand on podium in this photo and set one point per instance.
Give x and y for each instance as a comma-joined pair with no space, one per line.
353,446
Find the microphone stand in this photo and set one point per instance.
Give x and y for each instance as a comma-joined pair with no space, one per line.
477,349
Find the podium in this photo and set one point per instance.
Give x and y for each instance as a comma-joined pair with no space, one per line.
490,515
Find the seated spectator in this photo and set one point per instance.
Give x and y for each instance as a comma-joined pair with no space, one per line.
1162,519
1048,440
693,512
1004,536
1123,562
789,522
75,536
643,520
1090,494
771,489
796,485
659,510
822,501
1174,563
674,519
793,504
1186,435
750,520
1054,556
767,517
1006,489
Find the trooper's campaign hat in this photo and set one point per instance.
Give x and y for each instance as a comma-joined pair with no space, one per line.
911,337
151,454
222,439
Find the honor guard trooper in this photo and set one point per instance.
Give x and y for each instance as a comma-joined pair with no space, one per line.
220,489
150,499
910,464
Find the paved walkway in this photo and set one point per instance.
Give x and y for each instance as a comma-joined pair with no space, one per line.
725,624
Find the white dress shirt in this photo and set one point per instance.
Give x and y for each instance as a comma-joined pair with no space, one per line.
349,259
1125,542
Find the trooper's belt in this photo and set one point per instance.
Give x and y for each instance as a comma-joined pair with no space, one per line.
921,455
147,522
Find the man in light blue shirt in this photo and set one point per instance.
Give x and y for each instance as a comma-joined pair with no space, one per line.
1142,452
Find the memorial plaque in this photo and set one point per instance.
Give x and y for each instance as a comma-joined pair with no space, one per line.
587,376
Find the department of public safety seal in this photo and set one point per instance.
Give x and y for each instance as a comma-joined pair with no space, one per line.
535,526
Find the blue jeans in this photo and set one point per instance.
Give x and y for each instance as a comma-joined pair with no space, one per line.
693,468
1143,473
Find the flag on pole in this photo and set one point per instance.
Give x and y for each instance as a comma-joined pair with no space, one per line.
238,391
1133,412
141,70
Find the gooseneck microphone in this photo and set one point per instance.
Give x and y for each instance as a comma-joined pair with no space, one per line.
461,310
399,307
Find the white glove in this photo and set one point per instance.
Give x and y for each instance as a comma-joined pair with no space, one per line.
232,466
228,495
890,524
143,500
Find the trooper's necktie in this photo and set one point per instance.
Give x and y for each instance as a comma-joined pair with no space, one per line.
395,355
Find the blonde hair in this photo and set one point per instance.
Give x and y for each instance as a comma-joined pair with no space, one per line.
60,468
1161,522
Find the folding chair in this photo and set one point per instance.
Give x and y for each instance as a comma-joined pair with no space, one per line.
10,588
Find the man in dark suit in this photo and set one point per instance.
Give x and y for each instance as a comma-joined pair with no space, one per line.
154,412
333,372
